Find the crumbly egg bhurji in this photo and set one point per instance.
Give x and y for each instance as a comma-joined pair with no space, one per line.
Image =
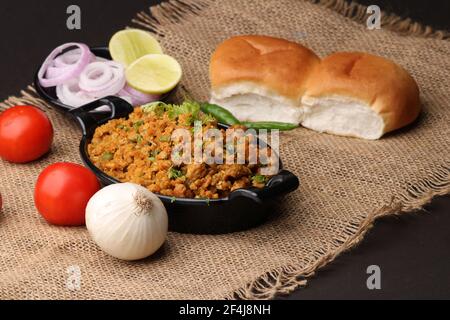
139,149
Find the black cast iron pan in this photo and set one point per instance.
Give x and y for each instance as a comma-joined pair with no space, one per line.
241,210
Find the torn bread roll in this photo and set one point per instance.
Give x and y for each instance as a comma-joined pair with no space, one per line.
261,78
359,95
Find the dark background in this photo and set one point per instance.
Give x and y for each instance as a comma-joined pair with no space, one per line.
413,251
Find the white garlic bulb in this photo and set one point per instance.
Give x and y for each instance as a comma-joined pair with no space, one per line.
127,221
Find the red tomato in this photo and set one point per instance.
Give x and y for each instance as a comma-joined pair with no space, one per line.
62,193
26,134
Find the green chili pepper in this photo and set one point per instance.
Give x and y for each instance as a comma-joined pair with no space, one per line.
226,117
221,114
282,126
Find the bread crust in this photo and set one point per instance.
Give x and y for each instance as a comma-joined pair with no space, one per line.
295,73
279,65
380,83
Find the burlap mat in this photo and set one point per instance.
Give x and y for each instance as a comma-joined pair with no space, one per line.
346,183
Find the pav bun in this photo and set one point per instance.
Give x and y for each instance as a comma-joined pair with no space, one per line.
260,78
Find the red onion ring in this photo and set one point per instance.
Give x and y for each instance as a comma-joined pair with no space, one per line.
70,71
65,60
53,72
126,98
68,58
102,79
70,94
95,75
138,98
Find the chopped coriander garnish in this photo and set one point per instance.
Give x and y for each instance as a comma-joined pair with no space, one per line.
189,121
260,179
174,174
206,118
157,107
173,111
152,159
173,199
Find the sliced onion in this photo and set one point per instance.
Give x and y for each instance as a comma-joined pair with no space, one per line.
138,98
126,98
96,74
102,79
65,60
70,70
100,59
53,72
70,94
68,58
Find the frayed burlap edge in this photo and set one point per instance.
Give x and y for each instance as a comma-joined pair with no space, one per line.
28,96
174,11
390,21
288,278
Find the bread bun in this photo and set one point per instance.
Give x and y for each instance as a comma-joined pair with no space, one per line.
261,78
361,95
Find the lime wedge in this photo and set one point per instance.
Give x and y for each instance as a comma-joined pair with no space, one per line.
154,74
128,45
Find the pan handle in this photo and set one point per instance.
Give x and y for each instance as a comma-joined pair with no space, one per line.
89,121
283,183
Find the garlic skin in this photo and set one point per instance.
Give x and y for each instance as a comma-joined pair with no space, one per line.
127,221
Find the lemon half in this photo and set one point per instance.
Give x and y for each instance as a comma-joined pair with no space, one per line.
154,74
128,45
